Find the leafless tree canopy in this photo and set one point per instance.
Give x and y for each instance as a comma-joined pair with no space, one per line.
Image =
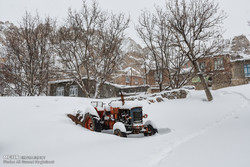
167,59
29,55
197,31
194,28
89,44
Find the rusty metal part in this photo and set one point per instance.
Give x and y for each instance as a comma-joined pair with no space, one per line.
75,119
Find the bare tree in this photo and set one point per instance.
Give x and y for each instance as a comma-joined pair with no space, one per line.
89,45
29,55
107,53
195,26
156,35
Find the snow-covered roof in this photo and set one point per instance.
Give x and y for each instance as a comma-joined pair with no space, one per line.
124,86
66,80
242,57
61,81
130,70
108,83
186,70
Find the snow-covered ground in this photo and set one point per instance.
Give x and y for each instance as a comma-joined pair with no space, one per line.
192,133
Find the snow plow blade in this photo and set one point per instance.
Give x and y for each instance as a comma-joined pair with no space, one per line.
75,119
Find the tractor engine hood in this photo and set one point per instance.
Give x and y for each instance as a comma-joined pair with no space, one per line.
128,104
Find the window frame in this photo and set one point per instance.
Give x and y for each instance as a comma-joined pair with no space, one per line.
127,79
73,90
202,66
158,76
60,91
247,70
136,81
219,64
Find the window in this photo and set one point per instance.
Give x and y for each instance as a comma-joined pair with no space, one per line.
218,64
127,79
202,66
247,70
136,81
73,90
60,91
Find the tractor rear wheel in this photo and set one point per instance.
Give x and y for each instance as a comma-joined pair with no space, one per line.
118,132
91,123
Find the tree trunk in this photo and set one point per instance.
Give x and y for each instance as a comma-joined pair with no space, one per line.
160,86
205,87
203,82
98,90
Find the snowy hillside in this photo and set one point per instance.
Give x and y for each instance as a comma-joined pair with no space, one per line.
129,45
192,133
133,59
238,48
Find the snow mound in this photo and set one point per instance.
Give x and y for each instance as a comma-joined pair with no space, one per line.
202,133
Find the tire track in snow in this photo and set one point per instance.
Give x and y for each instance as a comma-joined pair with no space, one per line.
173,145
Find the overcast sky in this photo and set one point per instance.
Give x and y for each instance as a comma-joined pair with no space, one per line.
12,10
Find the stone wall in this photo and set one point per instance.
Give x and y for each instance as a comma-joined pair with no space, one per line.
238,74
221,80
160,97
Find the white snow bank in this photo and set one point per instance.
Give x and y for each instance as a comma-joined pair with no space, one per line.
192,132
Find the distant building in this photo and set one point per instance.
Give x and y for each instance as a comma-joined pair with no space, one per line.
129,76
70,88
153,79
223,71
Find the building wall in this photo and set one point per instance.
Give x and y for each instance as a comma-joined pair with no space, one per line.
152,80
210,64
238,71
67,85
216,78
231,75
238,75
107,90
133,80
221,80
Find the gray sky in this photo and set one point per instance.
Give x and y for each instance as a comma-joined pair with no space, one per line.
12,10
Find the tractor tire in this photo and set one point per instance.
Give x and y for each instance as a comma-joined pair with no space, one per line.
91,123
118,132
151,131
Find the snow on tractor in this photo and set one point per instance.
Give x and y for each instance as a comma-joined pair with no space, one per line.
123,118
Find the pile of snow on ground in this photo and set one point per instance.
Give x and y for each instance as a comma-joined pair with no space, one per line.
192,133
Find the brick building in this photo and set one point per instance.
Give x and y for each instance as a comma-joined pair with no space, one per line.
223,71
129,76
240,71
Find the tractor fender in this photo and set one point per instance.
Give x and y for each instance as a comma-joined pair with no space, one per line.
88,109
149,122
91,110
120,126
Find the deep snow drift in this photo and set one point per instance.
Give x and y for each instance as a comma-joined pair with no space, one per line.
192,133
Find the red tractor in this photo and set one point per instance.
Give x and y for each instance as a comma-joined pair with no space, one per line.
123,118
